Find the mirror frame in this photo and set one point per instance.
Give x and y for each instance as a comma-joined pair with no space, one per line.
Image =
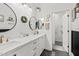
36,23
5,30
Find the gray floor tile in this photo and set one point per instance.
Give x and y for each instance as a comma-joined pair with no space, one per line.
54,53
46,53
58,43
60,53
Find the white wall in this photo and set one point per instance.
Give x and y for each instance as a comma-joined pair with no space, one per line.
50,33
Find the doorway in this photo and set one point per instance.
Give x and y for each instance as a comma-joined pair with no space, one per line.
61,31
58,29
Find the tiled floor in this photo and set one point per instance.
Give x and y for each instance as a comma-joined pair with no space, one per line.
48,53
58,50
60,53
54,53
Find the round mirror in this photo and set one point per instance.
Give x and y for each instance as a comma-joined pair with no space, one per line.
33,23
8,18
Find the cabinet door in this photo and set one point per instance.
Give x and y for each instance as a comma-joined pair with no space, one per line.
42,42
41,45
25,50
35,44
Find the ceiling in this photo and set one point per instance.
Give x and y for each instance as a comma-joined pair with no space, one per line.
55,7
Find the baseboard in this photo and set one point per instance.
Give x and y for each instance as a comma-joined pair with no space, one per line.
60,48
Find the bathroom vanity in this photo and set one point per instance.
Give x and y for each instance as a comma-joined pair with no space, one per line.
28,46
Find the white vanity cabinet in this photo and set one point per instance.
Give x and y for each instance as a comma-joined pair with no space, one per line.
25,50
41,45
32,48
13,52
35,48
29,49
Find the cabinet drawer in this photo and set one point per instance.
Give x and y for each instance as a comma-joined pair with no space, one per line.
35,43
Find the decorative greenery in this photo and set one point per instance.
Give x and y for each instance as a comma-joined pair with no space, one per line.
24,19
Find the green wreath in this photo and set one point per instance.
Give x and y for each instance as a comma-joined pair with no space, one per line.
24,19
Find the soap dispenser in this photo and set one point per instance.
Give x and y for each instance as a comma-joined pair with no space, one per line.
4,39
1,38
